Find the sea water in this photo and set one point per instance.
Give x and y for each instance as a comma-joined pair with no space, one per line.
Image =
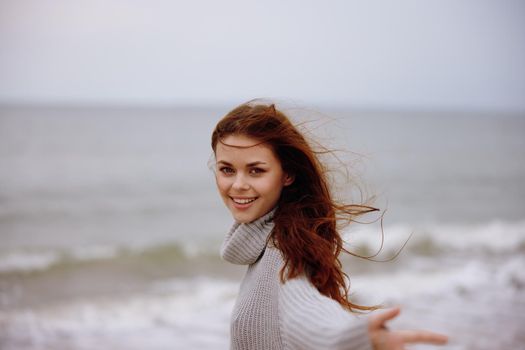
110,225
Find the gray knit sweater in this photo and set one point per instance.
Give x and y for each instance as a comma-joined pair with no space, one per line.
271,315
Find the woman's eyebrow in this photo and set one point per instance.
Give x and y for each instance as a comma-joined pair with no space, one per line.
255,163
248,165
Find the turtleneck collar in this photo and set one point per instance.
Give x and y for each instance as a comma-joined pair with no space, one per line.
245,242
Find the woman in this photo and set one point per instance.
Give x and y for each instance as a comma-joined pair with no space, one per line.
294,294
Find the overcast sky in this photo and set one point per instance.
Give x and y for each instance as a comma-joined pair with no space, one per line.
451,54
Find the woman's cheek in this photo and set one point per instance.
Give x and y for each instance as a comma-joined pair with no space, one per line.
222,183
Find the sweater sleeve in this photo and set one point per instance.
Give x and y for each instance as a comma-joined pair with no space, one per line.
310,320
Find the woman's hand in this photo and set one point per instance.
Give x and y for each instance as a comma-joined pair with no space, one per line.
384,339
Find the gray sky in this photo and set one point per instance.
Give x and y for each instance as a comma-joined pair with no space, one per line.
383,54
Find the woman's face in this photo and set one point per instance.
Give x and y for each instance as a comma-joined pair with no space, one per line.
249,180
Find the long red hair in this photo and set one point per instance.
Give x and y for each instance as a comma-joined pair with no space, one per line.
306,221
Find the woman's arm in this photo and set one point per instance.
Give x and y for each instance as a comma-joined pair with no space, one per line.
312,321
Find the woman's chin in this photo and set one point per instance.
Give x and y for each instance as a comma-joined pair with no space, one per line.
244,216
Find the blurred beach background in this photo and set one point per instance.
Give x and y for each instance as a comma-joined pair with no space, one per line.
110,224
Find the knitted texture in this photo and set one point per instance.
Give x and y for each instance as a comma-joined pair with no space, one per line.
271,315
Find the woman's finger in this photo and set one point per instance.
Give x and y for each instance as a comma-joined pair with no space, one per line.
422,337
378,320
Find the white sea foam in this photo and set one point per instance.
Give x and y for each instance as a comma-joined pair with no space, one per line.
27,261
94,253
179,314
42,259
491,237
505,278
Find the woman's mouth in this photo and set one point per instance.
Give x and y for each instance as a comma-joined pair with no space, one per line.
242,203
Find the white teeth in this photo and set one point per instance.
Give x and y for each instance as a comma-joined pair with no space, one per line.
243,201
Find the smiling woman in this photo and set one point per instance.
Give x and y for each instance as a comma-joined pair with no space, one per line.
294,294
249,177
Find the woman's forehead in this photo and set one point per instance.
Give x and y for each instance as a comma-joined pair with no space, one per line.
237,147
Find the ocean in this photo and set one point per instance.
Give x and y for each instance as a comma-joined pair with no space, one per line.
110,224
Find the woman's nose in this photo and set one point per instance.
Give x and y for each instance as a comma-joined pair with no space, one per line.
240,183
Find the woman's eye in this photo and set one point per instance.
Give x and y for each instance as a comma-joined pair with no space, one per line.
226,170
256,171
